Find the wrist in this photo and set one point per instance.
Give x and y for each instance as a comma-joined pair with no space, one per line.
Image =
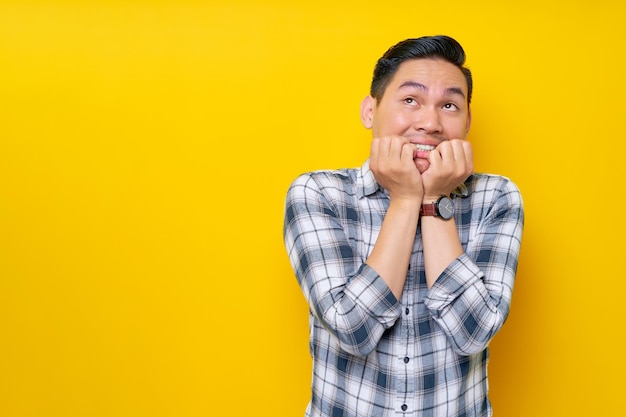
407,199
406,203
442,208
429,199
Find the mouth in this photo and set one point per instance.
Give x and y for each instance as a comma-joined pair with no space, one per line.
424,148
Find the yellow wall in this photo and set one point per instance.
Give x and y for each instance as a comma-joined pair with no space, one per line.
145,150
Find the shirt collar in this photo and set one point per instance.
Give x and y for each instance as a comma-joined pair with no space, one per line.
462,190
367,185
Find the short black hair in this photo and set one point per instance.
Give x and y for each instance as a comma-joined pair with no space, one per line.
440,46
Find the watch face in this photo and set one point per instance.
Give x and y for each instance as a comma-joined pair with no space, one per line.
445,208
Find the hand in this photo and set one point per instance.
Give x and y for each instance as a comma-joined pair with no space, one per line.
391,161
450,165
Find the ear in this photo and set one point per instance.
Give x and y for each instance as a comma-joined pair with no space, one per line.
367,111
469,120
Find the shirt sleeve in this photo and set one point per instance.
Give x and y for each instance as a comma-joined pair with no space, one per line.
470,300
347,296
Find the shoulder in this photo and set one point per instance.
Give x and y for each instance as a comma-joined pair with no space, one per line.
490,188
329,182
325,191
482,182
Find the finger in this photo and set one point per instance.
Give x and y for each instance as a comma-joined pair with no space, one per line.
435,157
463,159
445,150
458,152
462,152
469,155
407,152
374,152
396,146
386,147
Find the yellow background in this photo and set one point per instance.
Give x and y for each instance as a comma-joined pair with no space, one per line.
145,151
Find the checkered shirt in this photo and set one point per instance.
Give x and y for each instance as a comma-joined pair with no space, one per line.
425,354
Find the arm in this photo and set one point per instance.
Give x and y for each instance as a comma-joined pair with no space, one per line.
391,162
471,297
450,164
346,295
470,291
442,246
392,251
355,301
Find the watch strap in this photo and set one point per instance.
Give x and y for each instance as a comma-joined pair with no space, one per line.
428,209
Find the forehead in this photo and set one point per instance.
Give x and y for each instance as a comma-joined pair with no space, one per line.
430,72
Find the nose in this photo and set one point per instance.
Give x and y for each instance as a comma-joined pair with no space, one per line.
427,120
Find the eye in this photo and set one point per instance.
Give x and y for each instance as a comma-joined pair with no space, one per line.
410,101
450,106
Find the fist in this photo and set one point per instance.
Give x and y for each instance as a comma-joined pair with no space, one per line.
450,163
391,161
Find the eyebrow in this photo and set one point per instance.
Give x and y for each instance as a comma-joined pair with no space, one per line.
448,91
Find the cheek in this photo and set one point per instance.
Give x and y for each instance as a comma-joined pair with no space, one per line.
457,129
391,120
394,123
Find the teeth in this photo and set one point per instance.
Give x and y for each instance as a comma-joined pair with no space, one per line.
425,148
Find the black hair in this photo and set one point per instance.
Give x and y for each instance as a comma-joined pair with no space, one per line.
443,47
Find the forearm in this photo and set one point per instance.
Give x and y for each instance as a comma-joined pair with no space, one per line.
392,251
441,244
469,310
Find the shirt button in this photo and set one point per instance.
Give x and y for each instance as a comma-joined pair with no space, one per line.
406,310
404,407
406,359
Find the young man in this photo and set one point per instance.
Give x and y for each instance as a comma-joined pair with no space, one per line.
407,262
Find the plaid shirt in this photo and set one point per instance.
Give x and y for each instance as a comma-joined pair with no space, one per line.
425,354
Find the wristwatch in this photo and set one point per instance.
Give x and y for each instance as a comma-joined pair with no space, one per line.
442,208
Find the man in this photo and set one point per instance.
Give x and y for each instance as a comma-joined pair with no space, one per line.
407,262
